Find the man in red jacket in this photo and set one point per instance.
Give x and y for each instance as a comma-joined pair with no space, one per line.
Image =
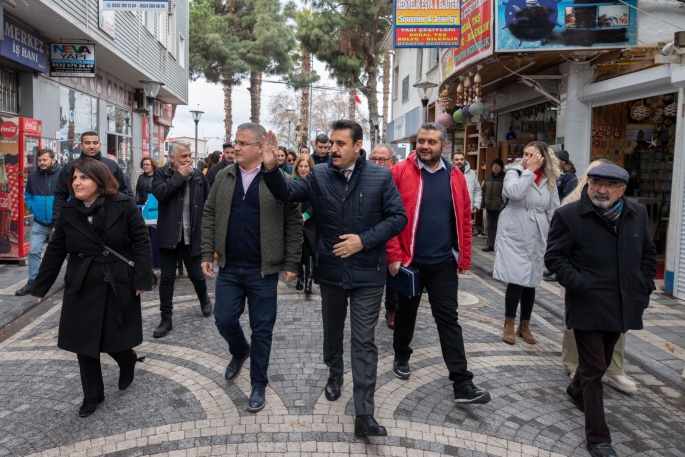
437,243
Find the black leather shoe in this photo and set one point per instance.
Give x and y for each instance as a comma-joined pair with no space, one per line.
366,425
308,275
401,369
332,391
601,450
257,399
206,306
299,285
578,402
24,290
90,405
234,367
487,249
471,394
126,374
163,328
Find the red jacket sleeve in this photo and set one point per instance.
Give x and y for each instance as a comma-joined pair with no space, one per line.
392,247
465,228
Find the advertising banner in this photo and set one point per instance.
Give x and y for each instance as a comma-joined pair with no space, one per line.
476,29
72,59
135,5
427,23
446,63
24,46
108,20
565,24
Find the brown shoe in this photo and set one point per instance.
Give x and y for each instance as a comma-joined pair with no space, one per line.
524,332
390,317
508,335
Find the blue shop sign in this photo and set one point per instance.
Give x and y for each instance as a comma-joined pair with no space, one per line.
24,46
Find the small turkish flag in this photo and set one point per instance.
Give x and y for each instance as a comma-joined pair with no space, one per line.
357,99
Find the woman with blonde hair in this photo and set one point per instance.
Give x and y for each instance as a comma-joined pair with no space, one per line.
530,195
569,352
302,167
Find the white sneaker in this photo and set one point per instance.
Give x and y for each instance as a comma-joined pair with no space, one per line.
621,382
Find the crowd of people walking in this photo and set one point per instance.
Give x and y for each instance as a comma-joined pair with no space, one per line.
350,222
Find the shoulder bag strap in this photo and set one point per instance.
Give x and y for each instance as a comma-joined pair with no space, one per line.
130,263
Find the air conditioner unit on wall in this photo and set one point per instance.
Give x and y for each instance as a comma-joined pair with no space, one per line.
140,102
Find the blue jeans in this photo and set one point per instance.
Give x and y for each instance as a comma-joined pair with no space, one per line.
39,233
233,285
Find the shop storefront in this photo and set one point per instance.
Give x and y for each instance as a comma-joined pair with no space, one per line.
119,130
78,113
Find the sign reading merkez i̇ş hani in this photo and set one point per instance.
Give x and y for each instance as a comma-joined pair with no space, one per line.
427,23
24,46
146,5
72,59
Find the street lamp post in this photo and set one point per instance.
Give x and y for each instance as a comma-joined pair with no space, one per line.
425,90
196,117
290,123
151,89
376,118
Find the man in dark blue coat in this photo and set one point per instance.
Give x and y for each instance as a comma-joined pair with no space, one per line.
602,252
358,210
39,195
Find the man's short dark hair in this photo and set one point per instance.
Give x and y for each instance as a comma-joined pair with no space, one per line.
90,133
256,130
228,144
436,126
304,147
355,129
46,151
458,153
321,138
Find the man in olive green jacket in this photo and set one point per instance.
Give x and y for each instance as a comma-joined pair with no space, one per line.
256,237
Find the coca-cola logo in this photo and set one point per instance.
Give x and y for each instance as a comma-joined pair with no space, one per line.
31,125
8,129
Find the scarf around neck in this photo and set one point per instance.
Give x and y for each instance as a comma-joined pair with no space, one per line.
613,214
97,210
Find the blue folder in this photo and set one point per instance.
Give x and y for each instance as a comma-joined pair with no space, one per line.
406,282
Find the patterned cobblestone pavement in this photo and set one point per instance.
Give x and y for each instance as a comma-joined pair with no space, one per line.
180,405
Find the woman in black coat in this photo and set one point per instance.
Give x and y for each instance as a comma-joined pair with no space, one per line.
101,309
302,167
144,184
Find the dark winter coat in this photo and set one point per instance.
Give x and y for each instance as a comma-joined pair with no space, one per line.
287,168
143,187
309,228
324,159
492,191
566,184
369,205
168,186
62,190
214,170
608,276
39,193
100,310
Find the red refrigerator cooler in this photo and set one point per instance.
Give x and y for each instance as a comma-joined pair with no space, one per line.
20,139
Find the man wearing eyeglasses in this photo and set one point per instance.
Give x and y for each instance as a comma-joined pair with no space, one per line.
256,237
383,156
602,252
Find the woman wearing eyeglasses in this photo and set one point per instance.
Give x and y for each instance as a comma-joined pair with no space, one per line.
290,157
144,185
530,193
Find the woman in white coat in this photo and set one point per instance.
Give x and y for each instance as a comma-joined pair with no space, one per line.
530,193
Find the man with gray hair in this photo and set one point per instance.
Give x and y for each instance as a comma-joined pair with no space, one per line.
385,157
601,250
181,191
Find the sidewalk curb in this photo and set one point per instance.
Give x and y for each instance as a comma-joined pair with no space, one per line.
29,304
653,367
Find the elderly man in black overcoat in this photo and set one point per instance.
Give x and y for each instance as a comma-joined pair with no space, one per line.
602,252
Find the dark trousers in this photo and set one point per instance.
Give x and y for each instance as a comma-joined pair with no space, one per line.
594,356
492,219
516,294
168,260
91,371
391,297
365,305
441,283
233,285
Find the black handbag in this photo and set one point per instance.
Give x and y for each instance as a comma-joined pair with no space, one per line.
132,264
